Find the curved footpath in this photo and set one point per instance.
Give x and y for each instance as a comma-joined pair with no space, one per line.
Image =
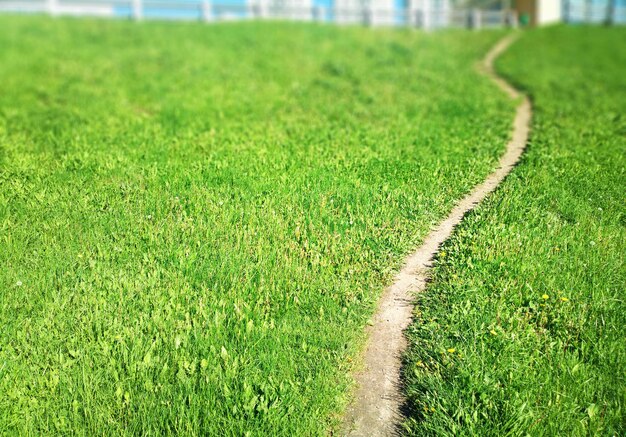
375,409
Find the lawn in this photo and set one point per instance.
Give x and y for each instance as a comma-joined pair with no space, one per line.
196,221
522,331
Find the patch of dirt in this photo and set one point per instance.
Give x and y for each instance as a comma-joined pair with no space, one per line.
375,410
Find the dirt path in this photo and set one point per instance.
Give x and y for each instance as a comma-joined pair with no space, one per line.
375,410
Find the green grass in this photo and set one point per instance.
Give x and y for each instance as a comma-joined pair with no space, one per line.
195,221
522,331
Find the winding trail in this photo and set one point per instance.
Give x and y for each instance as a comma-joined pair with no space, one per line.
375,410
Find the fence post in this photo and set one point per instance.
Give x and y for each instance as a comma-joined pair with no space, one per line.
306,12
418,14
476,19
426,16
610,12
206,11
319,13
137,9
368,16
410,14
261,9
512,17
53,7
444,18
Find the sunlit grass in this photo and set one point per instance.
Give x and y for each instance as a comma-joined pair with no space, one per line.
522,331
195,221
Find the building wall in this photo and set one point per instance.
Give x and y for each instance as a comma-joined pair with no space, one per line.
549,11
541,12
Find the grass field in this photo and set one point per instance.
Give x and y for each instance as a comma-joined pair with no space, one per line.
195,221
523,331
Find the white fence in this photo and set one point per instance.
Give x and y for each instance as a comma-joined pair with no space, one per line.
205,10
585,11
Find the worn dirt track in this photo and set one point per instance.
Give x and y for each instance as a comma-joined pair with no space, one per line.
375,409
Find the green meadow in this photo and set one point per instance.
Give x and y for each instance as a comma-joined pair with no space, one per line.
522,331
196,221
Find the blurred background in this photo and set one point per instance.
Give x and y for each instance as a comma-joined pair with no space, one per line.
425,14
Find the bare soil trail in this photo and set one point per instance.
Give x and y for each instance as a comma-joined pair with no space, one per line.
375,409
